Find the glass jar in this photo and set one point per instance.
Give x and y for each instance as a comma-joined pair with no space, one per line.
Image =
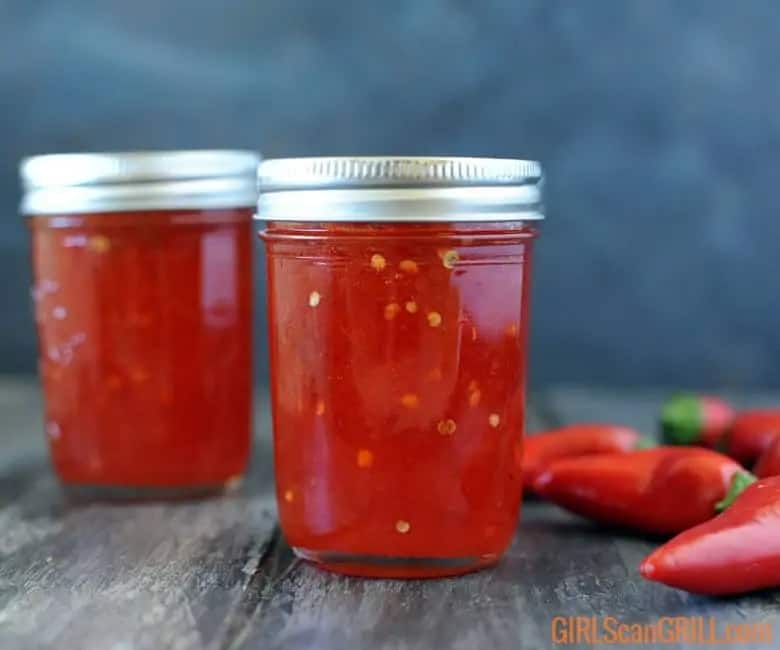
143,301
398,307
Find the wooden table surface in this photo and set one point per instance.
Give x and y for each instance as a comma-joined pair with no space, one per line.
217,574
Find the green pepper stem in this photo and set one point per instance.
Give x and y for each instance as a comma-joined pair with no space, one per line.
739,482
646,442
681,420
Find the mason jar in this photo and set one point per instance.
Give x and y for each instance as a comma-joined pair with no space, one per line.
142,296
398,316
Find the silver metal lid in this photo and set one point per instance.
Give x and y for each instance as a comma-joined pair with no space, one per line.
400,189
155,180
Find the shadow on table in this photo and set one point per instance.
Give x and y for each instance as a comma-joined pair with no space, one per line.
541,517
23,478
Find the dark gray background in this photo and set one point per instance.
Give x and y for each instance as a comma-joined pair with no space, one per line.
658,122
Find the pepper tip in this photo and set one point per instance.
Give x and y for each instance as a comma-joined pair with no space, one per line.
541,481
647,568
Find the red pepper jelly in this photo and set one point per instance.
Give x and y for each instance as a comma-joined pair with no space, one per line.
143,288
398,307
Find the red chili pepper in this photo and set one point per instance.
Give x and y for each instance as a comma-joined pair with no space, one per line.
661,490
736,552
769,462
696,420
752,433
574,440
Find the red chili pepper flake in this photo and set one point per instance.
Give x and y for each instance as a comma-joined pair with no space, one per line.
99,244
378,262
449,259
403,526
410,400
365,458
392,310
408,266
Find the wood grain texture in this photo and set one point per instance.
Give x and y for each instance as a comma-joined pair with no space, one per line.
217,574
558,565
81,574
640,599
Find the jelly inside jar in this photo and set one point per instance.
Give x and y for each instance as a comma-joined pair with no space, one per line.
398,381
145,345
